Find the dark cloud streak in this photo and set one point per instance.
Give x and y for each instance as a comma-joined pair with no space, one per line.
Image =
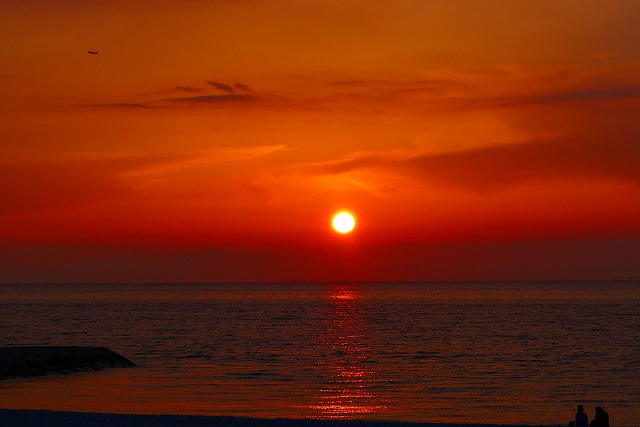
188,89
136,105
221,86
214,99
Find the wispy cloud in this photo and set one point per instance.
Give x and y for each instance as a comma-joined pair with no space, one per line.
350,163
497,167
38,185
221,86
546,98
188,89
477,89
241,87
171,163
502,89
589,95
93,176
123,105
215,99
237,93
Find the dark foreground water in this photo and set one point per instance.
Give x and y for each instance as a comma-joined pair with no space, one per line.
436,352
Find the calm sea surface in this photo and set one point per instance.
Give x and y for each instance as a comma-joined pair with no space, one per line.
465,352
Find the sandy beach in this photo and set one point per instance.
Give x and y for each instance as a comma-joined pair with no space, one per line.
21,418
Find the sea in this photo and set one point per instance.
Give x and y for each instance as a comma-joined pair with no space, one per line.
472,352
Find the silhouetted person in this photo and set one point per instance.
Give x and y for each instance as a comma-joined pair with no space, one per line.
601,419
581,417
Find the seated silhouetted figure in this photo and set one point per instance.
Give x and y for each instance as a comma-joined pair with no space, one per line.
581,417
601,419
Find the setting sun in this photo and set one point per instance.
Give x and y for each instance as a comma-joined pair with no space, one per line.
343,222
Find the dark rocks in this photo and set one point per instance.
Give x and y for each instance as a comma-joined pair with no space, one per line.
22,362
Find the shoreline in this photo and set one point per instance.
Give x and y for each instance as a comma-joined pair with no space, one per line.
29,417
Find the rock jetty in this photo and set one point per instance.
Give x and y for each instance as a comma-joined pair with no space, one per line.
24,362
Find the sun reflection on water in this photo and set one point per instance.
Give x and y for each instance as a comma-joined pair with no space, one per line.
349,390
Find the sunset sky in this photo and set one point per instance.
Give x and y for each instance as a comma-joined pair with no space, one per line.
212,140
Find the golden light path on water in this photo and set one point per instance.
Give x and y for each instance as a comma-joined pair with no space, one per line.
351,379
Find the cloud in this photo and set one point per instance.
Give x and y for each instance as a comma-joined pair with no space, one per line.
215,99
125,105
349,164
188,89
28,186
196,159
86,177
584,128
560,97
493,168
158,99
590,95
93,176
221,86
477,89
612,156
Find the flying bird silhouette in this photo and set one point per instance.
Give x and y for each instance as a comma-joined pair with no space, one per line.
92,52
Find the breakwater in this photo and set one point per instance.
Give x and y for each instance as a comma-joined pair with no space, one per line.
34,361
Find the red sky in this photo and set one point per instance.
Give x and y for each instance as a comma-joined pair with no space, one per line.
213,140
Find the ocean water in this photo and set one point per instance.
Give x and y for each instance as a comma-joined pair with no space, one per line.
435,352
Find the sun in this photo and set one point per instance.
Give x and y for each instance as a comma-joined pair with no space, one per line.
343,222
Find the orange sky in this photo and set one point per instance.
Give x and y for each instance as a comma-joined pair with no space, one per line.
212,140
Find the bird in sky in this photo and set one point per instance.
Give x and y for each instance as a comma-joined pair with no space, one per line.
92,52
